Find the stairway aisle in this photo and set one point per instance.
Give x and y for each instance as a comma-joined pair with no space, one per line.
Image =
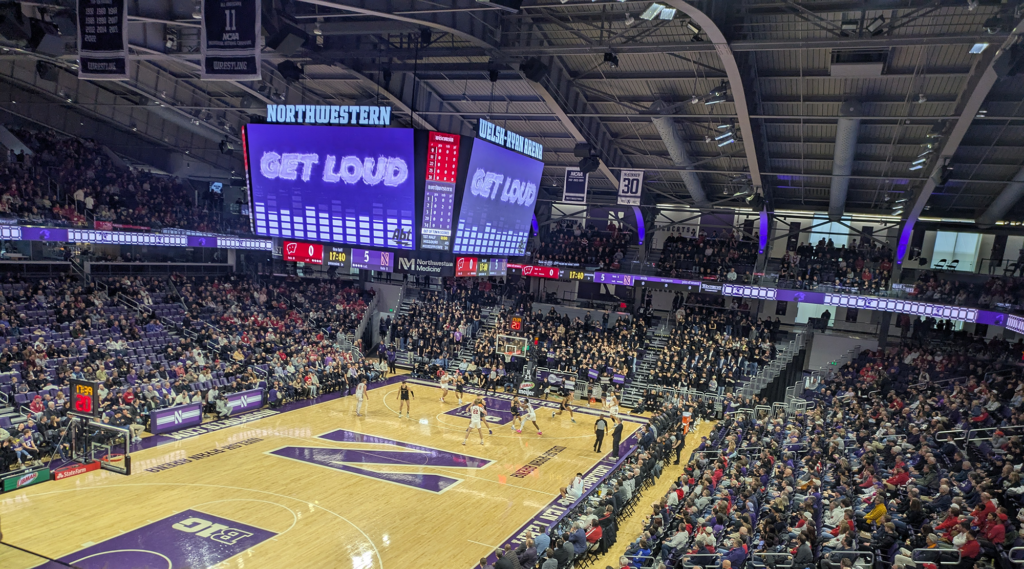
632,526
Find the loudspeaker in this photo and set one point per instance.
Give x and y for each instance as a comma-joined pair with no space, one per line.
289,70
14,26
589,164
533,69
288,40
46,71
581,150
45,39
922,261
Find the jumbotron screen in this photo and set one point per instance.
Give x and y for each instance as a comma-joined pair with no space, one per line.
497,203
333,184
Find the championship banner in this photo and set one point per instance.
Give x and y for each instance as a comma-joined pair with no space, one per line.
575,190
102,39
630,184
230,40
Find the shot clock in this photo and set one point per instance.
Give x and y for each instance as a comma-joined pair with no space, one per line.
85,398
516,324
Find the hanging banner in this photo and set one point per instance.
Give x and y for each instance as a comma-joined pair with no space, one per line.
231,40
575,186
630,182
102,39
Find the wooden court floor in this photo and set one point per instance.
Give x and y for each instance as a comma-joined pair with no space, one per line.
313,487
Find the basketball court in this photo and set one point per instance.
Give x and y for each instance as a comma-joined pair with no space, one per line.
312,485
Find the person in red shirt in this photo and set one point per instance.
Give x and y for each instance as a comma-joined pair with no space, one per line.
594,533
970,551
899,478
995,534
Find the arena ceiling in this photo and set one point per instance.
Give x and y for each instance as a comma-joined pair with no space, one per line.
920,79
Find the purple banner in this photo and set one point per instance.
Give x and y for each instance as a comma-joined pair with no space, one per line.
186,539
245,401
43,234
593,373
175,418
618,378
201,241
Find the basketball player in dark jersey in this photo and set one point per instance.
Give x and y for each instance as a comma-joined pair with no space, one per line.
403,399
565,405
515,414
460,380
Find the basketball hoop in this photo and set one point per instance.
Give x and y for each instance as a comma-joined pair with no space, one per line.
115,459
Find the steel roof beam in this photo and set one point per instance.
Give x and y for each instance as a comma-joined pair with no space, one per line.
982,80
725,54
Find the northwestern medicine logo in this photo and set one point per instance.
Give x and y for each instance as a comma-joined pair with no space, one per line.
369,462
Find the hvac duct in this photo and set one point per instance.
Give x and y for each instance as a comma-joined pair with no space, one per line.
677,151
1006,199
847,132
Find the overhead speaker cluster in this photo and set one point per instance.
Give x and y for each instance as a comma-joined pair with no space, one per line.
589,164
533,69
289,70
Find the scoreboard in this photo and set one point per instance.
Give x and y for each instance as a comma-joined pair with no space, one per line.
476,267
439,192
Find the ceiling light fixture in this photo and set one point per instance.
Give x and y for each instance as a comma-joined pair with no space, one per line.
921,98
694,100
316,29
652,11
925,153
920,161
694,28
875,26
724,142
726,135
630,20
721,126
978,48
611,59
918,167
714,100
668,13
707,138
197,12
972,5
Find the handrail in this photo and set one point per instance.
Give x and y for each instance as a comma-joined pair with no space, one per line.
942,555
1009,555
963,432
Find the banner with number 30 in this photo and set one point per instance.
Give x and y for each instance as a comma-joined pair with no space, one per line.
630,183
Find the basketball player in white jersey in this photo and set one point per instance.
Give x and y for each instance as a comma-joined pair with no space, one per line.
360,397
612,404
530,415
445,379
476,421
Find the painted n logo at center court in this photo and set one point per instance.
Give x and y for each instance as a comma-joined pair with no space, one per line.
353,459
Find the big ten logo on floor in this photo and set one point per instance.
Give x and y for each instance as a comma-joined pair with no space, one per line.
179,540
216,531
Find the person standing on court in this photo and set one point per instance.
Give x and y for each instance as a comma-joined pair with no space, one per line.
616,437
360,395
600,426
